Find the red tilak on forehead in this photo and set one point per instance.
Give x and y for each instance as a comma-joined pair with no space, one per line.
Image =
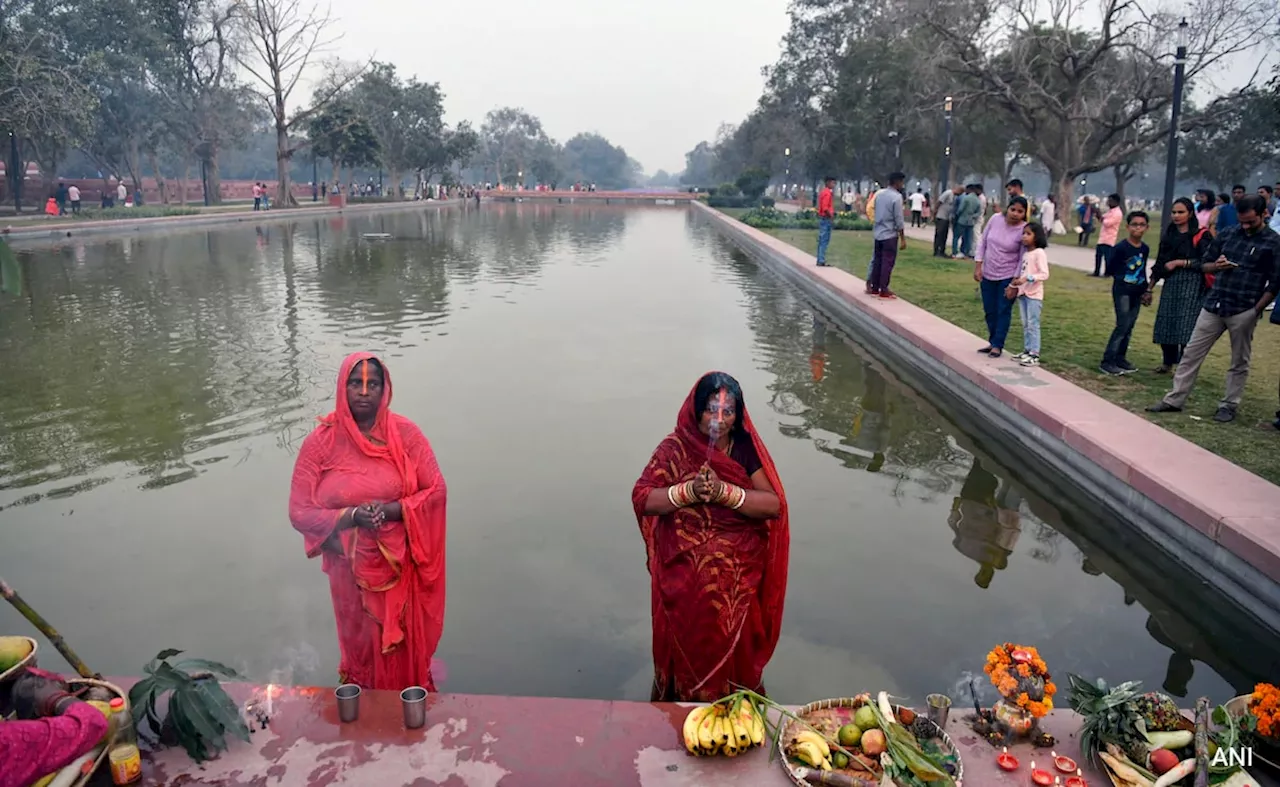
364,378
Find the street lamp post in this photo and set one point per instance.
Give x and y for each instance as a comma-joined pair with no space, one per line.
946,151
315,178
1171,165
786,152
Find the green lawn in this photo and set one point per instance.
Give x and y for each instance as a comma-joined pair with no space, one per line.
1077,321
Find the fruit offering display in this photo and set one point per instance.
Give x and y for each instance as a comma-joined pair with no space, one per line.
729,727
866,741
14,651
1143,739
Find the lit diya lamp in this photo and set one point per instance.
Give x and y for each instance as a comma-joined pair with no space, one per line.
1077,780
1063,763
1040,776
1007,761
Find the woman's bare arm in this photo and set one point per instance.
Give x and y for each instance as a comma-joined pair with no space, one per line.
761,501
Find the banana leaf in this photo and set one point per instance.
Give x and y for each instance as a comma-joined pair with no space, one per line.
905,751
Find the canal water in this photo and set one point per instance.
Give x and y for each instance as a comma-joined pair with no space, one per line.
156,388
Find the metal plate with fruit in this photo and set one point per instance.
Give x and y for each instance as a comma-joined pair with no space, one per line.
850,742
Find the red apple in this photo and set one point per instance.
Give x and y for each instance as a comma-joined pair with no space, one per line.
1163,760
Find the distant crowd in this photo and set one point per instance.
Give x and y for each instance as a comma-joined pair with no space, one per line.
1217,263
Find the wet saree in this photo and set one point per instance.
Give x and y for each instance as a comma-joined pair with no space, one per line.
388,584
718,579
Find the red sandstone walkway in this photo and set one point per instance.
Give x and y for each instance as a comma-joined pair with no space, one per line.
490,741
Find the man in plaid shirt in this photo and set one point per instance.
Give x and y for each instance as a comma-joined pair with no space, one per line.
1245,261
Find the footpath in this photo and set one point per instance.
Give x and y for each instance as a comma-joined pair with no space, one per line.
1065,256
43,227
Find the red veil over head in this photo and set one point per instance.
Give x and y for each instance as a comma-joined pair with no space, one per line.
400,567
718,578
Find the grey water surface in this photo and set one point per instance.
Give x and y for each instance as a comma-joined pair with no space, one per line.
155,389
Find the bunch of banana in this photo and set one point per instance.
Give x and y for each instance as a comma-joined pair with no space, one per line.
810,748
723,728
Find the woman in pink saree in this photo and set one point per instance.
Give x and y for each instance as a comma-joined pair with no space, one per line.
369,500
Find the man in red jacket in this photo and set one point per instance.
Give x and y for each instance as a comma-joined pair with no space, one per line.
826,215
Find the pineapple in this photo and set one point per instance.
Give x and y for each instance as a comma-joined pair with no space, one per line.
1110,715
1159,711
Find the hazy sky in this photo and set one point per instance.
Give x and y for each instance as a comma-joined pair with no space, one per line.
654,76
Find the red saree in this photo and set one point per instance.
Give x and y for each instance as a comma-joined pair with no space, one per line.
718,578
388,585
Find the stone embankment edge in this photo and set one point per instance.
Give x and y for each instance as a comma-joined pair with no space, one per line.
1213,516
41,231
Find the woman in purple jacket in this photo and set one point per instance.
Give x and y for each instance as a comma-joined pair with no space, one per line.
996,263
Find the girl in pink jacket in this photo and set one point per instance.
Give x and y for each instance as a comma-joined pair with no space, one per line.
1030,284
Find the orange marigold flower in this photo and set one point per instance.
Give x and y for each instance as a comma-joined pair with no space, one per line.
1024,670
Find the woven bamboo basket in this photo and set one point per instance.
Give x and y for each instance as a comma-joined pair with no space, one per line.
29,661
79,683
851,703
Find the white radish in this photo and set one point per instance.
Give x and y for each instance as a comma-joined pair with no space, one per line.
885,707
1177,773
1123,771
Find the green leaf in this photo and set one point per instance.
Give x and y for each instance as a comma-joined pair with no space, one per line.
204,665
166,654
214,700
169,678
201,719
187,735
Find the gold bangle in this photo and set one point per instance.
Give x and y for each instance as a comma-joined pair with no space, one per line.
671,497
741,498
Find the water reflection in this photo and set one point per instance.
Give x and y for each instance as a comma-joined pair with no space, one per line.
986,522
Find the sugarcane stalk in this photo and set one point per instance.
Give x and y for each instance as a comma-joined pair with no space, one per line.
1202,742
49,632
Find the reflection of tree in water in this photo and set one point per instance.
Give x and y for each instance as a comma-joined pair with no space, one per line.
141,351
835,397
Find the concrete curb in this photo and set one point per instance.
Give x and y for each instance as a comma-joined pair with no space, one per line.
41,231
1212,516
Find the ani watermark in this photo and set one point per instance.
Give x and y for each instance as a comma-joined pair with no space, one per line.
1236,755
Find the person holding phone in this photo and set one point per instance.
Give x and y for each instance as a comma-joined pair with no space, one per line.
1244,260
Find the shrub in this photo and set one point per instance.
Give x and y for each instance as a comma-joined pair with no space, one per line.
770,219
767,202
753,182
727,190
718,201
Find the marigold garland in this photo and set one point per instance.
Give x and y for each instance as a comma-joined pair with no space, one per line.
1007,676
1265,707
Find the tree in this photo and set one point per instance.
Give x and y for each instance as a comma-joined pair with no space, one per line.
699,165
510,137
205,107
1085,100
590,158
1224,153
406,117
44,102
342,135
283,37
752,183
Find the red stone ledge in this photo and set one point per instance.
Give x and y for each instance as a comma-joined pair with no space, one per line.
36,228
1236,509
494,741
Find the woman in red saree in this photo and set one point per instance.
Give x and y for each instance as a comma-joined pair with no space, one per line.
714,520
369,499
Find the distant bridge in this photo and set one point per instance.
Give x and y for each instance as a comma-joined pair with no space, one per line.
607,197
